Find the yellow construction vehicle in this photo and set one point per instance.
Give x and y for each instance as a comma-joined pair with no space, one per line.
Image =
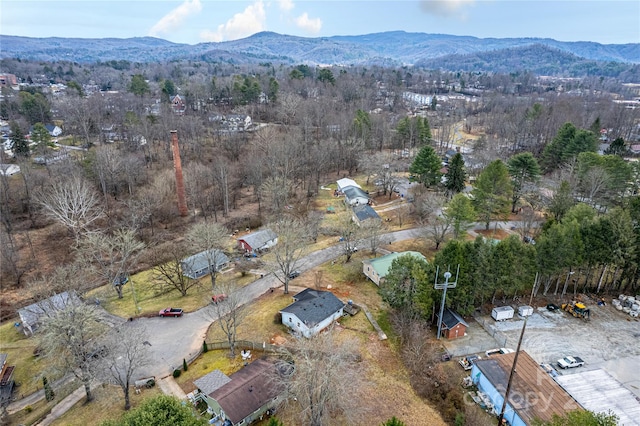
577,309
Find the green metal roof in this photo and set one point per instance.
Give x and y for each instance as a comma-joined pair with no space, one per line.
382,264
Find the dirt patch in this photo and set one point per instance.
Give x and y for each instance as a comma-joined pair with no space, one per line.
496,234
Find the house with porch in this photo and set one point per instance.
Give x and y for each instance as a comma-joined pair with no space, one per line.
354,196
246,396
201,264
377,268
258,241
6,380
312,311
30,315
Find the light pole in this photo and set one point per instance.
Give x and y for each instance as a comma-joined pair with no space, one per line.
444,286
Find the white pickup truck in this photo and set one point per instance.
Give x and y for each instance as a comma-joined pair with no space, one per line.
570,362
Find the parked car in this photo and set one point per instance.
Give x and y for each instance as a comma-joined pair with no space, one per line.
170,312
498,351
549,369
570,362
218,298
552,307
294,274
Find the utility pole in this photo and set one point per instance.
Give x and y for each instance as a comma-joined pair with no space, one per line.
444,286
513,370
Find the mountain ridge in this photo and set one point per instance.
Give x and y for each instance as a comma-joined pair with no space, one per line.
391,47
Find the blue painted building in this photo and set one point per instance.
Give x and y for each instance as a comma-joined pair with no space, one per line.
533,395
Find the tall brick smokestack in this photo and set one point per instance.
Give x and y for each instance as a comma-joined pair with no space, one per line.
177,166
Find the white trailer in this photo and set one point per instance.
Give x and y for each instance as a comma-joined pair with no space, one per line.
501,313
525,311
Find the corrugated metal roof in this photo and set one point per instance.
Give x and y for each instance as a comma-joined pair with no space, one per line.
598,391
534,394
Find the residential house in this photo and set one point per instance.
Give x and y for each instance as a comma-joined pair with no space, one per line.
530,380
354,196
53,130
8,80
201,264
453,326
258,241
363,213
377,269
231,122
312,311
30,315
245,397
6,380
346,182
178,105
9,169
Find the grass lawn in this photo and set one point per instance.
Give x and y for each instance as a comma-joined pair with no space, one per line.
108,404
152,297
19,350
33,413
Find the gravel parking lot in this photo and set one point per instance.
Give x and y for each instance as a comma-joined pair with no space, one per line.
610,340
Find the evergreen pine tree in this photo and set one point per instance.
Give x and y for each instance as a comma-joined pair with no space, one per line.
49,394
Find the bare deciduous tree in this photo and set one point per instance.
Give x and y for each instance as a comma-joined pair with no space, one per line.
168,270
325,371
228,313
293,239
123,354
69,337
112,255
211,238
73,203
350,237
373,234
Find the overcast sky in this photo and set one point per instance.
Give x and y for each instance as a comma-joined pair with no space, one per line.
195,21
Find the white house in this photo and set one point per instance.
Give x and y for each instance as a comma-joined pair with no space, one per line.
355,196
312,311
346,182
53,130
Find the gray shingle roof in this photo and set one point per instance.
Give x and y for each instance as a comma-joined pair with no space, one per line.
364,212
31,314
313,306
212,381
259,239
200,261
450,319
351,193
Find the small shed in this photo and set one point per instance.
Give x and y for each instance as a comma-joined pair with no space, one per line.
259,240
453,326
525,310
501,313
202,263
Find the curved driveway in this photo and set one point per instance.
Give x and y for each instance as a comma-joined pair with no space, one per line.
171,340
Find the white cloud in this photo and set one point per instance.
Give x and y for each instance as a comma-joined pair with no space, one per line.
310,25
249,21
447,8
176,17
286,5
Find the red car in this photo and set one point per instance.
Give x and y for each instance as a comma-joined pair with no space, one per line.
218,298
170,312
